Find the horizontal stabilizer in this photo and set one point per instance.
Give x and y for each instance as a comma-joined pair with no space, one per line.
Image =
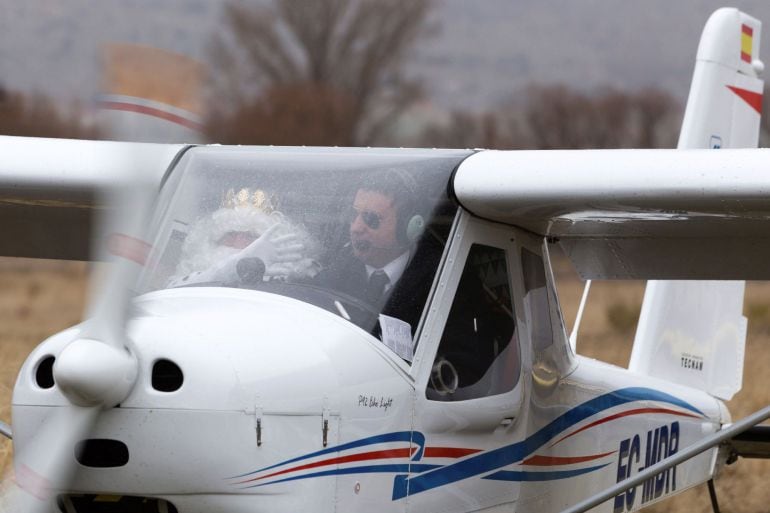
752,443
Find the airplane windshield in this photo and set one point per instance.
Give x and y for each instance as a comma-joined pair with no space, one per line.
357,232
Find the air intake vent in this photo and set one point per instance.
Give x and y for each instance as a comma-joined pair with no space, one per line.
44,372
112,504
101,453
166,376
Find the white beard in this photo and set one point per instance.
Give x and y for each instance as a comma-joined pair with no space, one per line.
201,249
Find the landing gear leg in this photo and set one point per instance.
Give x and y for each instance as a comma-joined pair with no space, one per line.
713,495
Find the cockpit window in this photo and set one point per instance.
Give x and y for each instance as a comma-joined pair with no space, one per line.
357,232
478,355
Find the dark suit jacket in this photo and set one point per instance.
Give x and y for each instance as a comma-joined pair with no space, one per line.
407,297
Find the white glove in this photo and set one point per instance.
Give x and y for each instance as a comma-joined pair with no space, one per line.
275,251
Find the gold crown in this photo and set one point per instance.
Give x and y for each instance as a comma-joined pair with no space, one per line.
245,197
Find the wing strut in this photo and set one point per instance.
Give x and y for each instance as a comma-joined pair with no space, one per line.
579,317
713,496
667,463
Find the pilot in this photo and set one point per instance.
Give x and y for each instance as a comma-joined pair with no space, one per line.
381,264
246,229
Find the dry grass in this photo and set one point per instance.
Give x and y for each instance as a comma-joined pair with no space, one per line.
37,299
40,298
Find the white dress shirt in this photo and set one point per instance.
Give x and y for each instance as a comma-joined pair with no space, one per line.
394,269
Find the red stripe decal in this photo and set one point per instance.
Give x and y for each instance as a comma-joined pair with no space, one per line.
151,111
745,58
546,461
638,411
130,248
747,30
448,452
374,455
33,483
750,97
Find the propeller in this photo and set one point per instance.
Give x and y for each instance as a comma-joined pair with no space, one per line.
96,371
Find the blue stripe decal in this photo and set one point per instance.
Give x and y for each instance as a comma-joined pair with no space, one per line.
507,455
399,436
514,475
371,469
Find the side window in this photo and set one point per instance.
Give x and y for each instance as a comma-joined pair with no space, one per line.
478,355
536,300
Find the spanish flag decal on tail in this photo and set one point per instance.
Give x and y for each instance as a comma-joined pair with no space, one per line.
747,42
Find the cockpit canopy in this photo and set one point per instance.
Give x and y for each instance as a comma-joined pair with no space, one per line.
217,201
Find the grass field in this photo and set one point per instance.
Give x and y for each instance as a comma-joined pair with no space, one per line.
39,298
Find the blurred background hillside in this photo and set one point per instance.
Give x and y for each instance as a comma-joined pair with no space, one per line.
439,73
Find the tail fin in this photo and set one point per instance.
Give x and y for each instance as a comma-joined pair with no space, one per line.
725,100
693,332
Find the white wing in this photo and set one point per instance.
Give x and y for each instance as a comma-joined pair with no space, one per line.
48,190
637,214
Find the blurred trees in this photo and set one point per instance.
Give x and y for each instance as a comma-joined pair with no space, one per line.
764,126
326,72
557,117
37,116
331,72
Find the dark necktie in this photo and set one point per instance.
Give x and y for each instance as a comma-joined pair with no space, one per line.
376,287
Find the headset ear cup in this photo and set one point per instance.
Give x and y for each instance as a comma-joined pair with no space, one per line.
415,227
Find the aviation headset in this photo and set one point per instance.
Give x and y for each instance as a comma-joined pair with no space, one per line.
402,187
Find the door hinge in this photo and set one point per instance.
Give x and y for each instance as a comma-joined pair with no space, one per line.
258,421
325,425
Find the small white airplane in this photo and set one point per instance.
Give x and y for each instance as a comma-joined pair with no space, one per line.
244,358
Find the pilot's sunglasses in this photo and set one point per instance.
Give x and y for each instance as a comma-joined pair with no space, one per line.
371,219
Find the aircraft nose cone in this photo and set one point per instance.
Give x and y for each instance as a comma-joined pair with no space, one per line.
91,373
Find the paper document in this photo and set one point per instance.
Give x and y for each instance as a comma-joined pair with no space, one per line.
397,335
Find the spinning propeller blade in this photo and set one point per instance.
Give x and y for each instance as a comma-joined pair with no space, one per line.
48,464
96,371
